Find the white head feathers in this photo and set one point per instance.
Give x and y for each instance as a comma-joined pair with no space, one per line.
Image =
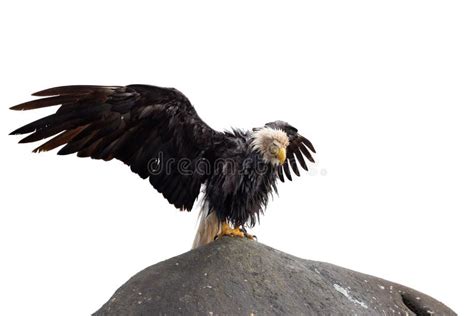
268,142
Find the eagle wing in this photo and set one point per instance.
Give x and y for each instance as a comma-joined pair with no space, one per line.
137,124
297,150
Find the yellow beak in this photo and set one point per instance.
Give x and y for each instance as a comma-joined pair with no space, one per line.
282,155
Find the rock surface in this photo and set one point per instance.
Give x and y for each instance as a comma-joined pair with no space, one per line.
233,276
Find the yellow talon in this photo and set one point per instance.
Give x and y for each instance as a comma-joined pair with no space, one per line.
226,230
251,237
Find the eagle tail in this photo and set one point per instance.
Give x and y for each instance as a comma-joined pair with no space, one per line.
208,227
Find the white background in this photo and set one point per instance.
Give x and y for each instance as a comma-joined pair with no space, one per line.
384,91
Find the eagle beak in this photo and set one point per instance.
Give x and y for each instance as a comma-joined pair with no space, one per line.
282,155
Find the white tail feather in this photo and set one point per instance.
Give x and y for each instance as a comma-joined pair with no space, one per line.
208,228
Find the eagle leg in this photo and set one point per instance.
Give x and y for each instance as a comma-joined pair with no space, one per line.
227,230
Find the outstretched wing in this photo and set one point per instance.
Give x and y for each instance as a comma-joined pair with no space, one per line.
140,125
296,150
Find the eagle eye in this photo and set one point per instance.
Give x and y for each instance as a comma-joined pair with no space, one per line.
274,149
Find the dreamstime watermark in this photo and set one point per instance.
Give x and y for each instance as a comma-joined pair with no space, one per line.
204,167
317,171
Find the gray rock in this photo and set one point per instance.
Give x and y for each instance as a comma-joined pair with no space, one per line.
234,276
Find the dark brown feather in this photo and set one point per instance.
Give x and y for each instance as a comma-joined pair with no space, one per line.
50,131
78,89
41,103
306,153
300,158
280,173
287,171
60,139
291,160
308,144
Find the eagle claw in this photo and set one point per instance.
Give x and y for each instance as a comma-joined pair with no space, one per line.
240,232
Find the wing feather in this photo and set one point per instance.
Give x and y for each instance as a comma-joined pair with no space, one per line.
280,173
307,143
287,171
291,160
300,158
306,153
297,150
45,102
133,123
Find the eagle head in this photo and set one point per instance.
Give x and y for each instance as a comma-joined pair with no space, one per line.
271,143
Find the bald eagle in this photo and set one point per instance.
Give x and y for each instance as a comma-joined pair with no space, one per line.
158,134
